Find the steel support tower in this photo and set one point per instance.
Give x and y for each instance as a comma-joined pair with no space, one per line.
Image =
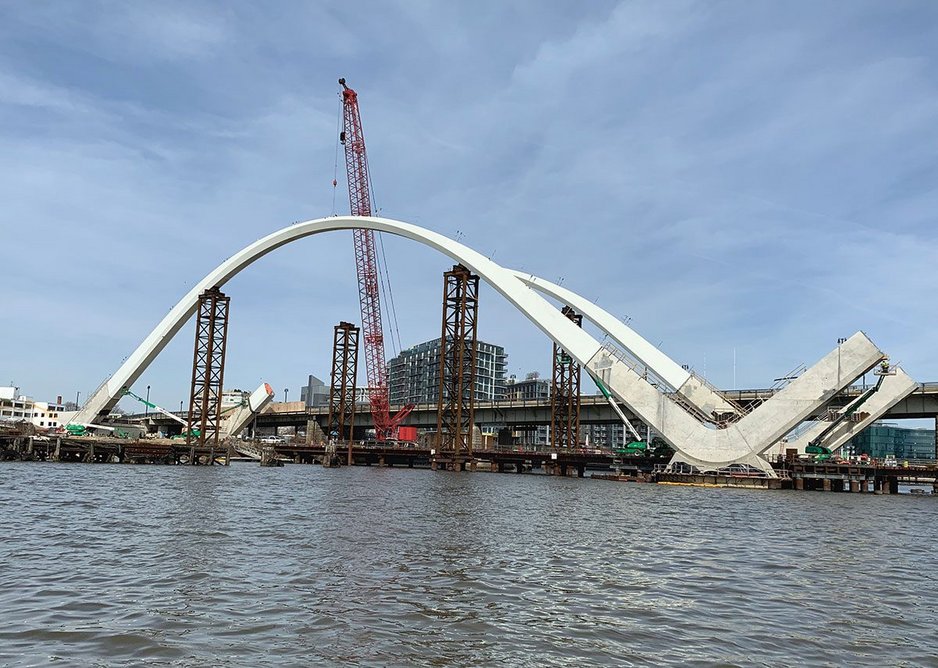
342,389
458,346
565,394
208,375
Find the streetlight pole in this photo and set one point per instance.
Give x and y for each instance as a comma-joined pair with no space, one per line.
840,342
146,406
286,390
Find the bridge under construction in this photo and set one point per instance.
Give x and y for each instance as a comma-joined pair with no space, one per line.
814,410
707,430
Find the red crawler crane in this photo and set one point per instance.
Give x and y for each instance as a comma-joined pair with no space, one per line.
366,264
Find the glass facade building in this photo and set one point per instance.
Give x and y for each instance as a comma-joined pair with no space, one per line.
414,375
882,439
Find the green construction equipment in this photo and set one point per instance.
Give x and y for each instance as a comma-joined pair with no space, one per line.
822,453
638,446
195,432
633,448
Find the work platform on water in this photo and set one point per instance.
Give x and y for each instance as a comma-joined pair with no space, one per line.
104,450
855,477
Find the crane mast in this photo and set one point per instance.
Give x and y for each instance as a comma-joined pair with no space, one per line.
366,265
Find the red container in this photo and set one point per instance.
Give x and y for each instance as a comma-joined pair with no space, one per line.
408,434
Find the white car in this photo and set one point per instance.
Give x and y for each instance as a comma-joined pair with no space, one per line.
272,439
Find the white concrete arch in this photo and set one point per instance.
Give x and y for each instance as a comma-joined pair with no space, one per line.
752,434
682,381
664,367
743,441
578,343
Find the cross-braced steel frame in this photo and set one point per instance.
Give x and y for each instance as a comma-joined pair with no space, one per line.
208,375
458,346
565,394
342,389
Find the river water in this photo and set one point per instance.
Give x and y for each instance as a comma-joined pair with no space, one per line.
245,566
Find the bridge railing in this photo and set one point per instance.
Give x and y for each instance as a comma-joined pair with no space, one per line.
636,366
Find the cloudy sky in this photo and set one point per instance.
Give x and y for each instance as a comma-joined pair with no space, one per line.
757,176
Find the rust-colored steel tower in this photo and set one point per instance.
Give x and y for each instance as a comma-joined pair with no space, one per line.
366,264
208,375
342,389
565,394
456,406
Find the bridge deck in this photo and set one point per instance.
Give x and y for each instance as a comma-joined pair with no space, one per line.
922,403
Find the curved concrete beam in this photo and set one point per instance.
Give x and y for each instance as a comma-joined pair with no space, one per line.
744,441
895,387
548,319
710,402
663,366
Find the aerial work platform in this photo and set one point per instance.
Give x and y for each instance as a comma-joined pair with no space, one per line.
853,418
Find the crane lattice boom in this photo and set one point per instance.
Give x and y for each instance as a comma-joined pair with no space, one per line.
366,264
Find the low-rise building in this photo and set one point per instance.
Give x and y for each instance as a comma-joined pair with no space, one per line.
883,439
232,398
47,415
15,407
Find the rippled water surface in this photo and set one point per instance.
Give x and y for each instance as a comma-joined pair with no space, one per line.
244,566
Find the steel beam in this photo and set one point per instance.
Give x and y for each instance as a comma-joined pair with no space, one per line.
565,394
342,388
458,348
208,374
